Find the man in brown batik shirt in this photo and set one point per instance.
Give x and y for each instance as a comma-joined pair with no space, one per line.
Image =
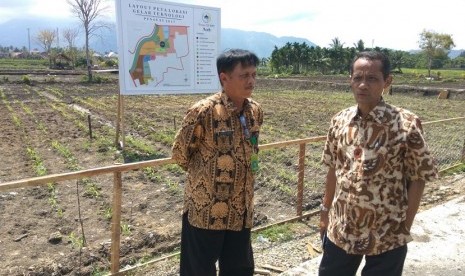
217,146
378,164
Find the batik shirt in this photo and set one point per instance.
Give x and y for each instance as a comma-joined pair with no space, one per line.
215,149
374,157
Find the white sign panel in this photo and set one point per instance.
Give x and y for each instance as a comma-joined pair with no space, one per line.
167,47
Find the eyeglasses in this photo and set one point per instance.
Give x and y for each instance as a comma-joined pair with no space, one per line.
245,129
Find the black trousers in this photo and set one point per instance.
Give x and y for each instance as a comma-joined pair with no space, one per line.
201,248
336,261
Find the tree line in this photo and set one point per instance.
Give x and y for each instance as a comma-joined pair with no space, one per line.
293,58
88,12
300,58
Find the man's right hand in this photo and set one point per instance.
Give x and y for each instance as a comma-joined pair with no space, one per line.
323,223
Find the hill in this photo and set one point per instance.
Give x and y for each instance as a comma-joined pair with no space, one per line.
15,33
21,32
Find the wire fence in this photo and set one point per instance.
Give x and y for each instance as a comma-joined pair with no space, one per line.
124,215
88,221
280,170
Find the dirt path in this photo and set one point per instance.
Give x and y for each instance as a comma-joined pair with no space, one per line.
438,232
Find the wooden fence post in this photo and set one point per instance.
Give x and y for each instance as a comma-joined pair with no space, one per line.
463,152
300,183
89,122
116,222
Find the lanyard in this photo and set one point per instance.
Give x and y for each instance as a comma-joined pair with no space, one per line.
253,140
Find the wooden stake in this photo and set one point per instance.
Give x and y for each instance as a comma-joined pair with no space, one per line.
300,183
90,126
118,120
463,152
116,222
123,139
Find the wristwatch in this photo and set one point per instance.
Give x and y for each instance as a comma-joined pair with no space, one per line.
324,208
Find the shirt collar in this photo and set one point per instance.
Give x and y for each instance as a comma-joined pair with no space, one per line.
228,103
376,114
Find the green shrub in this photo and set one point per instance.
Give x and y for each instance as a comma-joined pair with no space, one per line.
26,80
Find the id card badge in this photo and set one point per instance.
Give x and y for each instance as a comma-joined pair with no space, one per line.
254,157
254,162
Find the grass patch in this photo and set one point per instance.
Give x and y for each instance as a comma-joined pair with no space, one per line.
277,233
460,168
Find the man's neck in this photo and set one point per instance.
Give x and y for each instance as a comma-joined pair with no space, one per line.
238,102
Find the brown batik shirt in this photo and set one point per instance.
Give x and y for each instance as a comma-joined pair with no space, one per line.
374,157
215,150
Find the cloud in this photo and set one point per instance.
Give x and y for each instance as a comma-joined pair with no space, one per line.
394,24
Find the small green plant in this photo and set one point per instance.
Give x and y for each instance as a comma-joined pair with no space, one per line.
174,168
87,145
8,106
152,174
53,201
107,212
38,165
76,241
50,79
26,80
145,259
126,229
92,190
42,127
164,136
173,187
16,120
276,233
26,108
59,212
71,161
98,271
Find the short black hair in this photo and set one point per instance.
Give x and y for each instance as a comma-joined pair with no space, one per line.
227,61
373,55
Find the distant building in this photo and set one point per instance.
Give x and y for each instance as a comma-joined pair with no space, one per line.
112,55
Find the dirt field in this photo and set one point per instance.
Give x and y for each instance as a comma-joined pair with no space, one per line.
45,129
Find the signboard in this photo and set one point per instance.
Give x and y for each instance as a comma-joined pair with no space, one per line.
167,47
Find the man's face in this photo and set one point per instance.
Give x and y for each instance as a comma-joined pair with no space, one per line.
367,83
240,83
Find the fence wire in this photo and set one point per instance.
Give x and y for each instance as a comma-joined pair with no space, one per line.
446,141
152,204
277,181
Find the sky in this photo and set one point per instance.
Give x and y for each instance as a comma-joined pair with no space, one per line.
394,24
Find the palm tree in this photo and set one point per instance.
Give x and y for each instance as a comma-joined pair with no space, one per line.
336,53
360,46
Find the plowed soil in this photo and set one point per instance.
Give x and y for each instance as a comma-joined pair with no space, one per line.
57,125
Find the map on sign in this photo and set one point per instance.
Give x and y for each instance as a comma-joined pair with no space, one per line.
162,58
167,47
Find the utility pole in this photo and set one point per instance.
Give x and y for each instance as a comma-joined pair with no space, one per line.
29,40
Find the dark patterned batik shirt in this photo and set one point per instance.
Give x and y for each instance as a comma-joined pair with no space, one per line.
374,157
215,149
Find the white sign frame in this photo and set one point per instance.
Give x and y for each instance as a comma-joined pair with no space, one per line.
149,33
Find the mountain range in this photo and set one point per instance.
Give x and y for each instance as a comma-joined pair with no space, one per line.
21,32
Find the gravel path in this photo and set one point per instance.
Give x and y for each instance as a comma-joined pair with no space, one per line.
438,247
